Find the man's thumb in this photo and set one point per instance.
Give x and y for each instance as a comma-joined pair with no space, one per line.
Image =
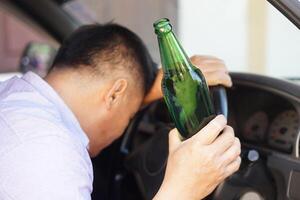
174,140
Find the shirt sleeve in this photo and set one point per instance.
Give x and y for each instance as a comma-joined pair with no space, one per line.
46,168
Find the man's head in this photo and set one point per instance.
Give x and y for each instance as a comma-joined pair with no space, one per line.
102,72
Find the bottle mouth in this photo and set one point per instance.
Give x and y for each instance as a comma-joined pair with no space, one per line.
162,26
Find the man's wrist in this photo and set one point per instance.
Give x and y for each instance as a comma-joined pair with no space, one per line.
162,194
168,191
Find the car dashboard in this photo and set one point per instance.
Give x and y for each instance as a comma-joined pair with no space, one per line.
265,113
263,119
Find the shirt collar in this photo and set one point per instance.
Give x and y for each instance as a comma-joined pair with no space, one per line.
66,114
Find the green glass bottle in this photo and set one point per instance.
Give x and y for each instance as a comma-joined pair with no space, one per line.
184,87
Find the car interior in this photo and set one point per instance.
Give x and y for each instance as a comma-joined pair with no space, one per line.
264,112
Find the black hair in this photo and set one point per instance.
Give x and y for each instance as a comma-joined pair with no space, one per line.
91,45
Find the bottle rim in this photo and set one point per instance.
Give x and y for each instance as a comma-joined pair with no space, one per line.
162,25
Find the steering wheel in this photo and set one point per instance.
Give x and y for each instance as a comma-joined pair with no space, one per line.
145,145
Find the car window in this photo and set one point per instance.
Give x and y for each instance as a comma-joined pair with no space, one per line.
250,35
17,32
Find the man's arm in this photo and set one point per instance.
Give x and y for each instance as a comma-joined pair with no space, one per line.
45,168
213,69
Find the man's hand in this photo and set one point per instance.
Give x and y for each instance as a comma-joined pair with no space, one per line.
196,166
213,69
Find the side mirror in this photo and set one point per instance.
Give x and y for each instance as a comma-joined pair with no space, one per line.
37,57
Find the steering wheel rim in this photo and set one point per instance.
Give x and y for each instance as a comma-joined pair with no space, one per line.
220,100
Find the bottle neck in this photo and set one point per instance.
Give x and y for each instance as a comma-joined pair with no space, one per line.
173,57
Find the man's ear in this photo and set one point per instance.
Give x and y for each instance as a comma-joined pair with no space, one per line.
116,92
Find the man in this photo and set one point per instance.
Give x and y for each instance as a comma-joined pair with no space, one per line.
99,79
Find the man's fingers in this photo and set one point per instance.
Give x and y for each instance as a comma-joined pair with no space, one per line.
232,153
212,67
211,131
232,167
224,141
201,58
214,70
218,78
174,140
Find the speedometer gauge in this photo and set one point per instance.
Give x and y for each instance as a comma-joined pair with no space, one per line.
283,130
256,127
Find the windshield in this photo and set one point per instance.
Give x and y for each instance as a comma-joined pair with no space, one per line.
251,35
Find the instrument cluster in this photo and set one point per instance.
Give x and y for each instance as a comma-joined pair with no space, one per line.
264,119
278,132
